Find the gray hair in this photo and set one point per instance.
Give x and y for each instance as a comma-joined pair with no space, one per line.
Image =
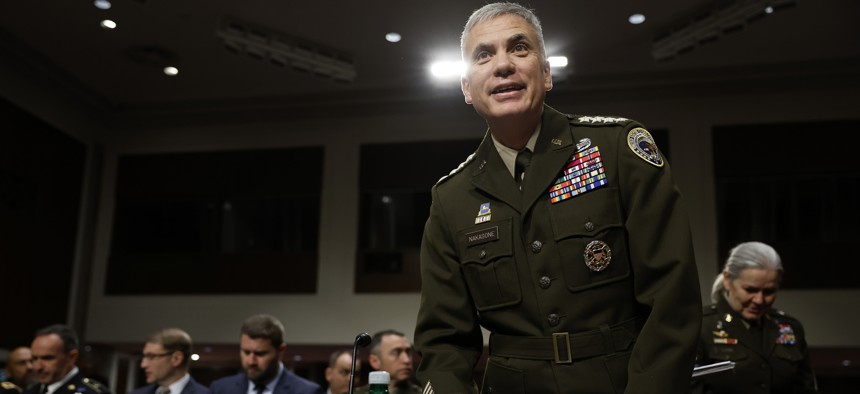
495,10
743,256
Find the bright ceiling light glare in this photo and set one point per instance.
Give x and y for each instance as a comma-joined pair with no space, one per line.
768,10
393,37
102,4
557,61
171,71
108,24
195,357
447,69
636,19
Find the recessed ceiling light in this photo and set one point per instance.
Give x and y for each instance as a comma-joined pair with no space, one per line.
636,19
393,37
108,24
447,69
195,357
557,61
171,71
102,4
768,10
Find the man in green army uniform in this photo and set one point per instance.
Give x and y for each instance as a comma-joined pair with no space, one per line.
562,235
55,350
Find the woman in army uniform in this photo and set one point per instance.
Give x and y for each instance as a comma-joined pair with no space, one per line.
767,346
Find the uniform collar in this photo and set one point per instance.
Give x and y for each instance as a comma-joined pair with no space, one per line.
54,386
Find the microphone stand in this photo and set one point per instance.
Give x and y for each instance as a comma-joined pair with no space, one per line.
361,340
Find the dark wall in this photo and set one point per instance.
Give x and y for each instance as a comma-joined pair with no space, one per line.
41,176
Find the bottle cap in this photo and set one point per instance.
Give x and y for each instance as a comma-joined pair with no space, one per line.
379,377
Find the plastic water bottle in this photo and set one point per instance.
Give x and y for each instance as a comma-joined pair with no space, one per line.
378,382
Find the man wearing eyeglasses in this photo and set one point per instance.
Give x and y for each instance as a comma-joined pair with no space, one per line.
337,372
165,361
55,351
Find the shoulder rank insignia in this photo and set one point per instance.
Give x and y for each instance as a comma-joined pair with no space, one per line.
642,144
600,119
9,386
458,169
94,385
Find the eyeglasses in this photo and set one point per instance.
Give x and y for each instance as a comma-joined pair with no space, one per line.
153,356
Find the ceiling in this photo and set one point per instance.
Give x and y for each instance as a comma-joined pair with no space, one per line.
120,70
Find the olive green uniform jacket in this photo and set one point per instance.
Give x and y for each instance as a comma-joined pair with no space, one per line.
778,364
522,273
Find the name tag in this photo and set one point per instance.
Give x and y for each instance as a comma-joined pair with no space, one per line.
482,236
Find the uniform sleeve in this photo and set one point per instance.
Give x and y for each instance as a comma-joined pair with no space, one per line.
665,275
447,333
806,382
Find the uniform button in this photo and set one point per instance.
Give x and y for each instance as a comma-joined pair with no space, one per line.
553,320
589,226
536,246
483,253
544,282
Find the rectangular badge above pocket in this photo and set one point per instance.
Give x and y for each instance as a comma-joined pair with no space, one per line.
483,235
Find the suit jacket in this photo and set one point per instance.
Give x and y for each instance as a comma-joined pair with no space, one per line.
78,384
778,364
192,387
288,383
529,267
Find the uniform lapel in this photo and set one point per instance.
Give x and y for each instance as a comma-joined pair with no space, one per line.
770,332
740,330
491,175
552,150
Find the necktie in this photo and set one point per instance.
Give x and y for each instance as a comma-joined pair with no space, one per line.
164,390
522,162
44,388
259,388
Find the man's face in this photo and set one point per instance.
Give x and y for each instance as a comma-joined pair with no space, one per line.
337,376
20,367
50,362
159,364
259,358
506,74
753,292
395,357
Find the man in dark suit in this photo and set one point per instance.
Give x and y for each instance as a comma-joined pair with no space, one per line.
564,236
166,355
261,349
55,350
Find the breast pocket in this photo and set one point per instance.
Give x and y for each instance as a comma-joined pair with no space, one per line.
591,239
721,352
788,353
487,260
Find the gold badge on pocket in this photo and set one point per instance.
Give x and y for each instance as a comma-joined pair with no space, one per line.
597,255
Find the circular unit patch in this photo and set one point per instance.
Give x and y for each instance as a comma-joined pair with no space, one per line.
642,144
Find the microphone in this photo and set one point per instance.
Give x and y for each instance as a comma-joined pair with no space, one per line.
361,340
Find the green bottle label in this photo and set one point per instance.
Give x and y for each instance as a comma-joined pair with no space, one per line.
377,389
